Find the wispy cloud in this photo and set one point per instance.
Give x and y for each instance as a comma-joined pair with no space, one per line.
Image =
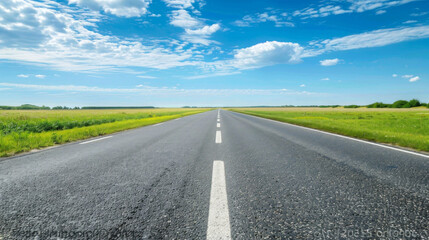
410,21
40,76
217,74
323,11
280,20
23,75
351,6
180,3
146,77
377,38
147,90
135,8
418,14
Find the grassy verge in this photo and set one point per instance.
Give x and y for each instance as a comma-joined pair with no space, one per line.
17,141
401,127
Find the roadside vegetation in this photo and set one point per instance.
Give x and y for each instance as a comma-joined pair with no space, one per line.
402,127
24,130
398,104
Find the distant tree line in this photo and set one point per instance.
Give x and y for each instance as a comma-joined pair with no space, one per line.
25,107
398,104
34,107
94,107
64,108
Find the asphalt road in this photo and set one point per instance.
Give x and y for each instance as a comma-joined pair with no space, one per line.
239,177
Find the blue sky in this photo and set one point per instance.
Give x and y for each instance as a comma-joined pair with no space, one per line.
213,53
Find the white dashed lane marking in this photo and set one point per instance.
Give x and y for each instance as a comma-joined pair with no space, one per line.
218,137
218,226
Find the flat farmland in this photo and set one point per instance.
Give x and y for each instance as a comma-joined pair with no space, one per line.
400,127
24,130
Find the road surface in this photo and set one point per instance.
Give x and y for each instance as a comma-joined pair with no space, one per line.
216,175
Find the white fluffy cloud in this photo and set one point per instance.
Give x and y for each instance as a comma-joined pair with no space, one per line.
414,79
411,78
181,18
121,8
267,53
24,25
201,35
195,30
50,34
206,30
54,35
329,62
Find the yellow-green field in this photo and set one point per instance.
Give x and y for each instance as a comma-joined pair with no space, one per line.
24,130
401,127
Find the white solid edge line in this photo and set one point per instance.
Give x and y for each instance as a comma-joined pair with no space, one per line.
218,125
350,138
218,137
98,139
157,124
218,226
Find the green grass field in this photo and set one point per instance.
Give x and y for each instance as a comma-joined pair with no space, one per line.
24,130
401,127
